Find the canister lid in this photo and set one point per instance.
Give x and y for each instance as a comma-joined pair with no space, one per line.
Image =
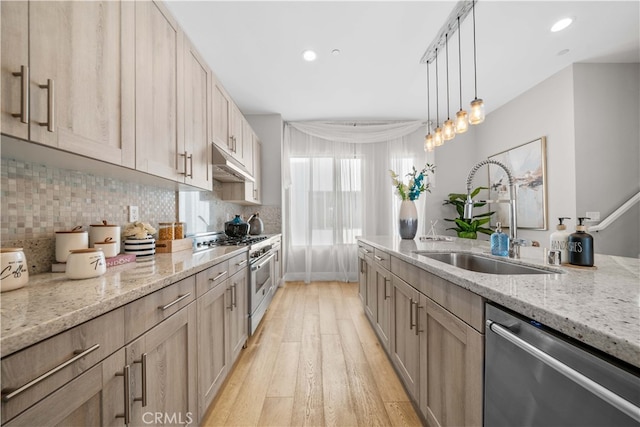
76,229
85,251
7,250
104,224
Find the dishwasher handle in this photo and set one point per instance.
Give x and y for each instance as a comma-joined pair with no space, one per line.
604,393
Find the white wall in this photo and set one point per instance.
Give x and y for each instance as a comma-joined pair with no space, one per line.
607,98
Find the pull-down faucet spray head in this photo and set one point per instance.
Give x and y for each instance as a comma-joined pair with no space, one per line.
468,207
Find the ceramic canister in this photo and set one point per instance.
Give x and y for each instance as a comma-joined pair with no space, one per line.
108,247
15,273
85,263
100,233
66,241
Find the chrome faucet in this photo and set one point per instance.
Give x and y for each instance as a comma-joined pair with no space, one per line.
514,242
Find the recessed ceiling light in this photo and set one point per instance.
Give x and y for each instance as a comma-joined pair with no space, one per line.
561,24
563,52
335,52
309,55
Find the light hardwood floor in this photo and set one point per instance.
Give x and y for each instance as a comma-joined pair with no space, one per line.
314,360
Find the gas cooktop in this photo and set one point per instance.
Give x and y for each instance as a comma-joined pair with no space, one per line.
204,241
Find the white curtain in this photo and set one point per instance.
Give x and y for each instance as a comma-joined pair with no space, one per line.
337,187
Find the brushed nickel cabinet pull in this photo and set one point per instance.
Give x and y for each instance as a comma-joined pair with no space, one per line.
378,258
414,317
255,194
418,307
230,306
241,263
24,94
187,158
234,300
127,394
79,354
386,296
174,302
213,279
50,105
191,164
143,362
410,313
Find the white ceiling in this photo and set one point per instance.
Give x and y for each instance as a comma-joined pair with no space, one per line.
255,47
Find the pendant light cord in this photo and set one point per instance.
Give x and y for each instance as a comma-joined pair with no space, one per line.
475,65
437,93
428,103
446,43
460,62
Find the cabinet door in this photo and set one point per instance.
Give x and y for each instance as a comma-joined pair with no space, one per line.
277,265
163,371
197,91
371,304
14,22
81,64
239,313
92,399
220,113
236,132
248,138
404,344
213,343
158,66
256,186
451,368
362,277
383,311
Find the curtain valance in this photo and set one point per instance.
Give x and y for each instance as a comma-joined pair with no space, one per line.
357,132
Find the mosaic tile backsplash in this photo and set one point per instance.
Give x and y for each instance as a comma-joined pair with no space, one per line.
38,200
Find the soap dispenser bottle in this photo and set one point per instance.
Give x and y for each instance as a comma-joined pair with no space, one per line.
559,240
581,246
499,242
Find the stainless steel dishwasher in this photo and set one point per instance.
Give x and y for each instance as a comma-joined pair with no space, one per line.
534,376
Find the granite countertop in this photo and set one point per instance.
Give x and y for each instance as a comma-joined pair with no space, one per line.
599,307
51,303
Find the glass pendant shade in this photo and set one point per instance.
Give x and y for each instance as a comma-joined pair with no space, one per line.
462,122
476,115
437,137
448,130
428,143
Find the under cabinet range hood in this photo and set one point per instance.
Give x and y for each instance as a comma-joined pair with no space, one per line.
228,169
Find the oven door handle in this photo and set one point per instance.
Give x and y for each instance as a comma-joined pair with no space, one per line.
266,259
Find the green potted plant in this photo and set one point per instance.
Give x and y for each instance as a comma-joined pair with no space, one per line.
468,228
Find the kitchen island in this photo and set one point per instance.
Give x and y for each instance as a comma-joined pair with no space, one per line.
598,307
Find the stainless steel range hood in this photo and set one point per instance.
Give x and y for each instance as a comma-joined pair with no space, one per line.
228,169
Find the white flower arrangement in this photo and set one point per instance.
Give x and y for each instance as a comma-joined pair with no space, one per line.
138,230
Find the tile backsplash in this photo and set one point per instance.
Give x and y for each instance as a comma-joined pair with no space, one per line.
38,200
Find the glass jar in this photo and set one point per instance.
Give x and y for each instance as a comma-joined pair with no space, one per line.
165,231
178,230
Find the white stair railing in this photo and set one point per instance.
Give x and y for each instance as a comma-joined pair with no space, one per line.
616,214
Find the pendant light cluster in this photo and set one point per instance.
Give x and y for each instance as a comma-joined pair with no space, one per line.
462,120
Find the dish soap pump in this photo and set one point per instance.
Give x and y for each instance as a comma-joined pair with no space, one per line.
559,240
581,246
499,242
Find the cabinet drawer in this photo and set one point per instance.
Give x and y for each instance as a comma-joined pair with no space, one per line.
211,277
237,263
382,258
365,249
146,312
42,368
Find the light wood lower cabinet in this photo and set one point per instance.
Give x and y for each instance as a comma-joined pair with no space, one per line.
238,313
95,398
163,372
451,368
383,303
405,338
435,339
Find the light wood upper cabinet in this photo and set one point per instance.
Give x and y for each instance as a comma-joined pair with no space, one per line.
236,132
159,91
14,22
79,88
221,103
196,155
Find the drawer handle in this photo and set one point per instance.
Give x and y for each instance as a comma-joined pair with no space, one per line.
174,302
79,354
241,263
127,393
24,94
234,300
218,276
143,362
378,258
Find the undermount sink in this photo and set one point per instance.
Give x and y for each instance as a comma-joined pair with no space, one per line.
482,264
